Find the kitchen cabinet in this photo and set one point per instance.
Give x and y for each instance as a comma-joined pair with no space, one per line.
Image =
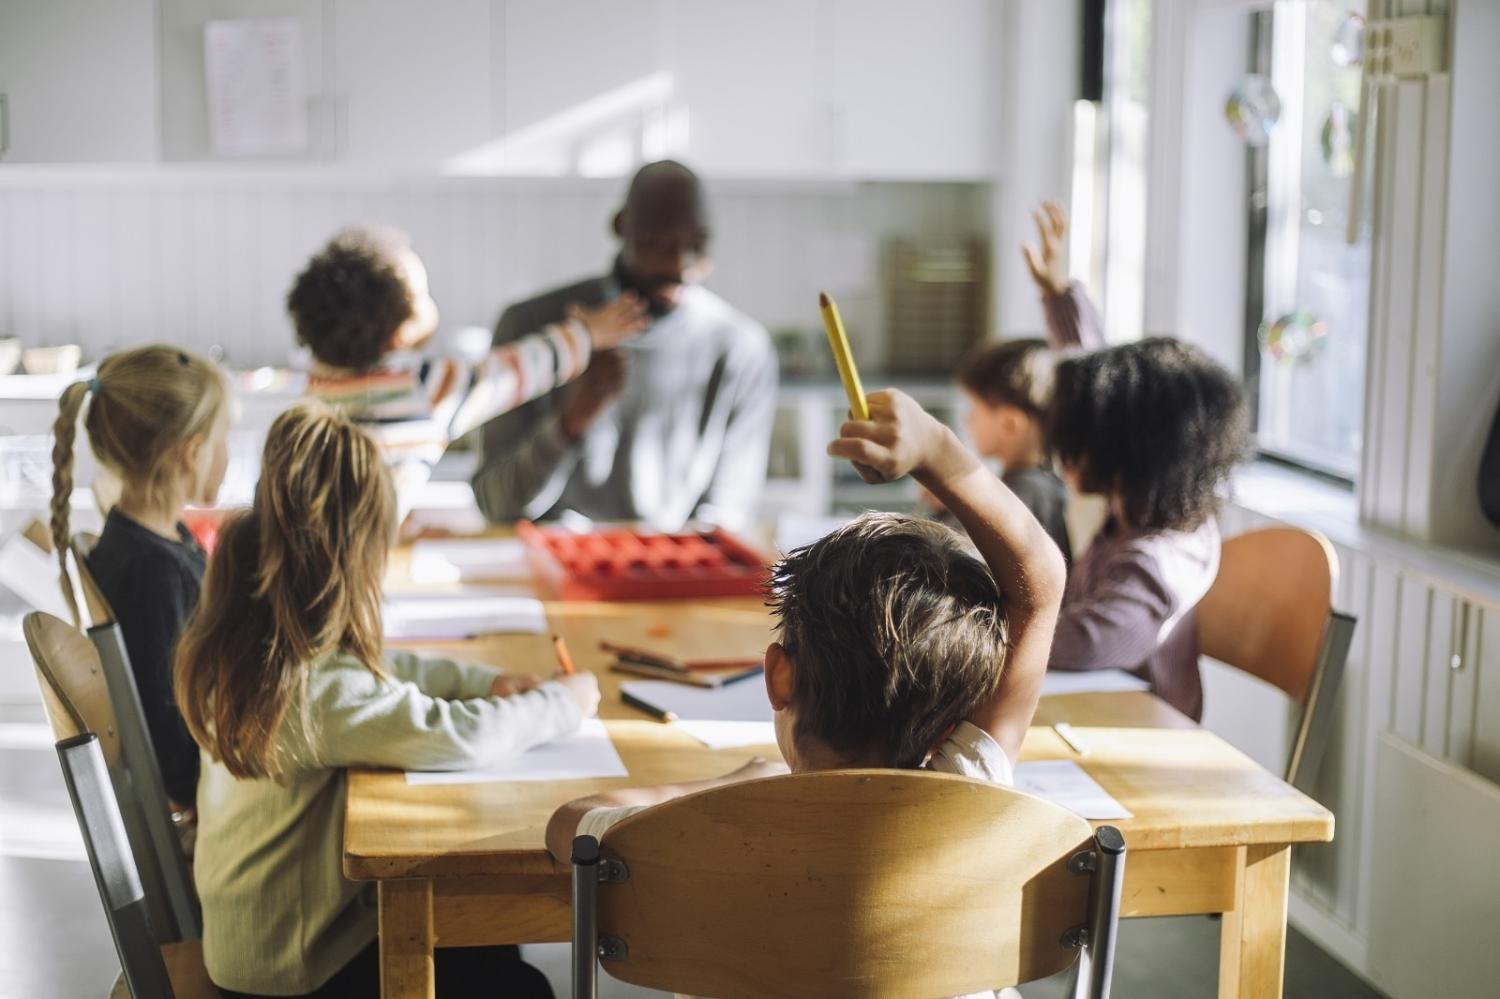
79,80
184,92
753,80
914,88
805,89
411,81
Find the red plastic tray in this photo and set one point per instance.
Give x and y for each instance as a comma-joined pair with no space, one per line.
621,564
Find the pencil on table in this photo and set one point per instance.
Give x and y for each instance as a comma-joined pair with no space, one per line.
563,659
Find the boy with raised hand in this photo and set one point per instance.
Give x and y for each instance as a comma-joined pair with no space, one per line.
897,647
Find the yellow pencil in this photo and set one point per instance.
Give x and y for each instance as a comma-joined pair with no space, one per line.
843,357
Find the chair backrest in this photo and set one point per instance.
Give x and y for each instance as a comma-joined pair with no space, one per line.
856,882
136,746
1266,611
74,690
1270,613
115,873
78,699
94,604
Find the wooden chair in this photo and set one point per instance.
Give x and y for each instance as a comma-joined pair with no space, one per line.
1270,613
77,696
848,883
147,970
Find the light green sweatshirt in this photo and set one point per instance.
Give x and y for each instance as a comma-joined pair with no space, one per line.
279,918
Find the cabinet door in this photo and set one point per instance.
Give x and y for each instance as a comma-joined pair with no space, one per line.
1484,701
184,85
581,80
412,81
752,78
79,78
914,87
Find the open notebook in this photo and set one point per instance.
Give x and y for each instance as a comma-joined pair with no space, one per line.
584,755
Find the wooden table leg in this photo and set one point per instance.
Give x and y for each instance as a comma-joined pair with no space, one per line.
1252,940
406,940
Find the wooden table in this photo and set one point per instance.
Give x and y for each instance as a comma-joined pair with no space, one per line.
464,865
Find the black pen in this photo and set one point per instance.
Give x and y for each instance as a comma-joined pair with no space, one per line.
650,709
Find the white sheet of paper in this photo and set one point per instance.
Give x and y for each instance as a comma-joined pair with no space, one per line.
469,560
743,701
1065,783
584,755
256,83
729,734
442,616
1094,681
32,574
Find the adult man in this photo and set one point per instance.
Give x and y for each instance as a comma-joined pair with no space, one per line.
674,426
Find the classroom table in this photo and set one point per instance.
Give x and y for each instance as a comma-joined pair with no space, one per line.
465,865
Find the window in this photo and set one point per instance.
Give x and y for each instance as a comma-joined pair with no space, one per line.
1308,300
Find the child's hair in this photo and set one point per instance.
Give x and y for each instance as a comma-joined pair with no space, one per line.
1156,422
1015,373
896,630
294,578
350,300
144,404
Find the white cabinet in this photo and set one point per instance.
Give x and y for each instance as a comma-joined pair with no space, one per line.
860,89
79,79
753,79
869,89
578,84
411,81
914,88
184,91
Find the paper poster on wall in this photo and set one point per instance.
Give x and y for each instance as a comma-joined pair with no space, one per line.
257,86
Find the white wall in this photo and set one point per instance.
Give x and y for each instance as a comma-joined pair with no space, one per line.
206,257
1035,146
1205,300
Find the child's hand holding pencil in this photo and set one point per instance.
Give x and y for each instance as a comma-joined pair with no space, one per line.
583,686
901,438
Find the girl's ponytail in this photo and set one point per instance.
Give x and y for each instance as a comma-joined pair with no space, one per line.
65,433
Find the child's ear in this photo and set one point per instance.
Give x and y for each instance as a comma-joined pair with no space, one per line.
192,454
780,676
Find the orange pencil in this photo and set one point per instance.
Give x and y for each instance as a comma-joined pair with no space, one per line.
563,659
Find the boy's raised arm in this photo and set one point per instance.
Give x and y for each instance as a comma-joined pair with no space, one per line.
901,438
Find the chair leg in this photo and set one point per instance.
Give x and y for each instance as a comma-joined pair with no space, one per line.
1096,963
585,917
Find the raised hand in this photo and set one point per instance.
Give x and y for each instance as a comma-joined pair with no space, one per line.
1046,260
901,437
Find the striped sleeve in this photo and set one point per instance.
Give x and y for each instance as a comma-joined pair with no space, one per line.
520,371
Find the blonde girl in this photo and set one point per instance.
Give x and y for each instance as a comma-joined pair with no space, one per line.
157,418
282,680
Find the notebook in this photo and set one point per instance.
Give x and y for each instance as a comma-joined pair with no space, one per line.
1065,783
467,560
1094,681
738,702
584,755
439,617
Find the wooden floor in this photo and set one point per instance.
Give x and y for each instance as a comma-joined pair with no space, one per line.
54,942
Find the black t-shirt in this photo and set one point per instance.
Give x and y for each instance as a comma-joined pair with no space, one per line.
1046,497
152,585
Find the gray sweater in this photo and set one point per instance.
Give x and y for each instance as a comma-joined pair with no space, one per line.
687,438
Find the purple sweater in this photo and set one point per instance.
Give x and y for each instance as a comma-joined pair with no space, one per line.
1130,597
